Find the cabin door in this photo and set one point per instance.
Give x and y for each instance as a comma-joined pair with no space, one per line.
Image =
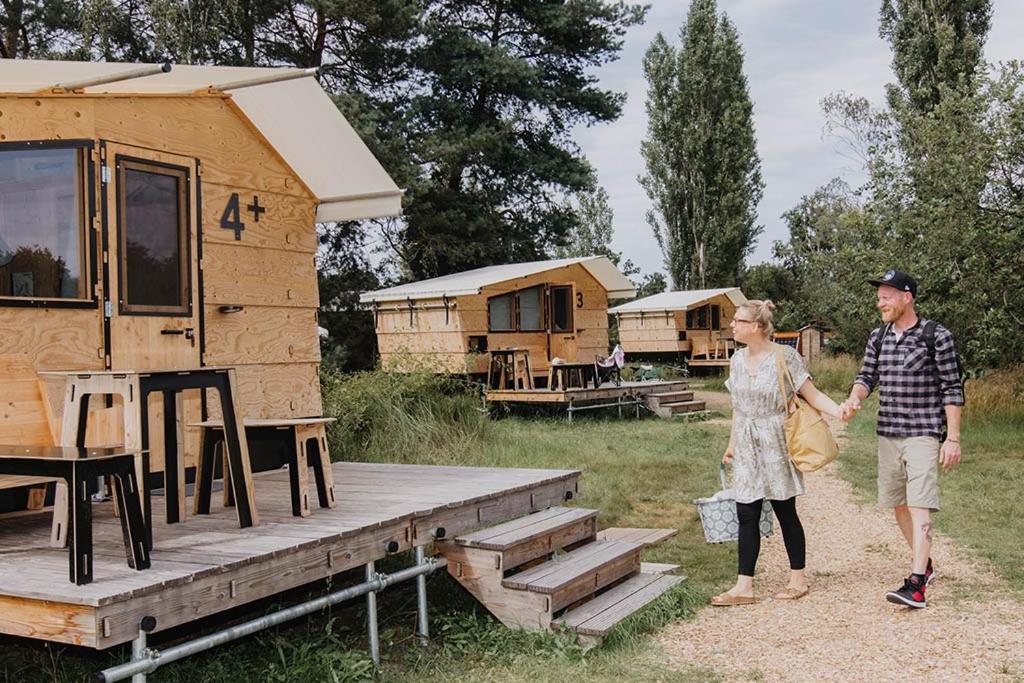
151,267
562,323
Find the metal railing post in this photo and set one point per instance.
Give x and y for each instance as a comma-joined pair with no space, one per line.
371,616
423,627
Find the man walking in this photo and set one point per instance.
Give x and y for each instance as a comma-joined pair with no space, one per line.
913,363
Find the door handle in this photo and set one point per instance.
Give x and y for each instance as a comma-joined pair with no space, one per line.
172,331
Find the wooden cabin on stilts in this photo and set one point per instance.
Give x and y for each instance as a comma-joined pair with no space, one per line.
692,325
158,332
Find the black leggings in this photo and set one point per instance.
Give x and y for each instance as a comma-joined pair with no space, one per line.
750,535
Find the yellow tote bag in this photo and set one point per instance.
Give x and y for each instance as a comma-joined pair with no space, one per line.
810,441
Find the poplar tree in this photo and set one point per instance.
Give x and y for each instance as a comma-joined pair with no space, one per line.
703,172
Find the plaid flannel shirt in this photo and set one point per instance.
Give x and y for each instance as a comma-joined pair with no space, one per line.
914,388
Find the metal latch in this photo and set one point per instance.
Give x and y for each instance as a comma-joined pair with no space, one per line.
105,175
108,308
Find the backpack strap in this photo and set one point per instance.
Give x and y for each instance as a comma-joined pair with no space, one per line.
881,338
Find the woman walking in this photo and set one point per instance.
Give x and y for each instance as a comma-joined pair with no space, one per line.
757,447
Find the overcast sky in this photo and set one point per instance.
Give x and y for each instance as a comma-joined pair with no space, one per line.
795,53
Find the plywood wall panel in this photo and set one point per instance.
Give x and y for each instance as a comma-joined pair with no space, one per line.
240,275
289,222
43,118
53,339
265,334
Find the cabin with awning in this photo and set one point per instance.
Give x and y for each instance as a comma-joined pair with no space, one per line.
693,324
552,309
165,218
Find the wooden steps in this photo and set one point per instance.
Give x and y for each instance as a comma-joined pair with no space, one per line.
643,537
575,575
597,617
527,571
675,400
528,538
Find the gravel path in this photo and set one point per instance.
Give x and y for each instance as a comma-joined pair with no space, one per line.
845,630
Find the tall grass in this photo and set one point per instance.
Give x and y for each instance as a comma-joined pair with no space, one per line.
402,417
997,397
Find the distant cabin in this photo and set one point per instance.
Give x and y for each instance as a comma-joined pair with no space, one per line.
693,324
555,308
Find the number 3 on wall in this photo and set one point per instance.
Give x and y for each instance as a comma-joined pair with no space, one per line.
579,299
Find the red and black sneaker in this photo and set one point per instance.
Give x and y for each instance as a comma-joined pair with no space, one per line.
911,594
929,573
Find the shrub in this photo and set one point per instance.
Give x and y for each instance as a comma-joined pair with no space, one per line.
395,417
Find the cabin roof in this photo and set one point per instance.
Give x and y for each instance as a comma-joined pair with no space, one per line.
679,301
296,117
471,281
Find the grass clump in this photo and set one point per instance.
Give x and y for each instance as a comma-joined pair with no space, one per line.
398,417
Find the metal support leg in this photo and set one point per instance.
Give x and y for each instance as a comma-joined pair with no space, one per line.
139,652
423,628
371,616
570,409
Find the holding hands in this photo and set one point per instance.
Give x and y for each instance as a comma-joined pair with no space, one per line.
849,408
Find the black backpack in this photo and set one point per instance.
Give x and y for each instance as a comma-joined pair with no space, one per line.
928,333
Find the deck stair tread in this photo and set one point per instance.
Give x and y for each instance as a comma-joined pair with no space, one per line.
658,568
642,537
525,529
668,396
684,406
570,568
598,616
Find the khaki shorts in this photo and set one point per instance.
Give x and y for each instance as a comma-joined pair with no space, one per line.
908,472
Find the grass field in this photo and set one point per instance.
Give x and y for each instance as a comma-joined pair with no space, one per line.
642,473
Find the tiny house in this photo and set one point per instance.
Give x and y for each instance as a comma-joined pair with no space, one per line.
154,218
694,324
552,309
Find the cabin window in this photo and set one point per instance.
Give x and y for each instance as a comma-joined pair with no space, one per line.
716,317
528,303
708,317
42,222
561,309
499,313
478,343
153,229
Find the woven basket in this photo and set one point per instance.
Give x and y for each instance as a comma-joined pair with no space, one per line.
720,521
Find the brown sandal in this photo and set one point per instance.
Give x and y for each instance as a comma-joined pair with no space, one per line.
790,593
726,600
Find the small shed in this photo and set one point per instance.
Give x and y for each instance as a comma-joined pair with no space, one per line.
694,323
808,341
556,308
156,218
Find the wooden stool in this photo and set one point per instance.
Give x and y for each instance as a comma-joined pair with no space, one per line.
510,365
299,435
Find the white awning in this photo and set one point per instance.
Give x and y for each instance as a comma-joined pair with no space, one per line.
679,301
296,117
471,281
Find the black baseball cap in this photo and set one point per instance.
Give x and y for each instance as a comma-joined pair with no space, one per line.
897,279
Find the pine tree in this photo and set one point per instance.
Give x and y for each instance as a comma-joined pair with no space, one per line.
703,172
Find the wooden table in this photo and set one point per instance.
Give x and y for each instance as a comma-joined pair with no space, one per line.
506,363
563,375
80,468
297,435
135,386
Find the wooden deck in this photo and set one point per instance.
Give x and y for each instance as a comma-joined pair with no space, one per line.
605,392
206,564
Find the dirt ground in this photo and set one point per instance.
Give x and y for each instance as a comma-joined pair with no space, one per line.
844,630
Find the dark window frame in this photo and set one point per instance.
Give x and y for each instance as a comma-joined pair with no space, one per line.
541,327
706,317
87,231
570,307
183,173
511,313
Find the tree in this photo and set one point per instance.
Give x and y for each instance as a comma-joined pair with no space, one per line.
499,88
703,173
936,45
593,229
